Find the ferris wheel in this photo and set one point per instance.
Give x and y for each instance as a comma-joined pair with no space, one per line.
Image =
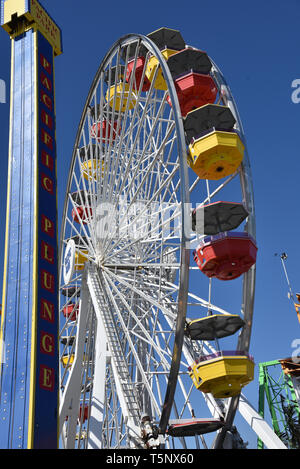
157,255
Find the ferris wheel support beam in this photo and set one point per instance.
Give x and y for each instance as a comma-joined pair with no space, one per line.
259,425
124,387
98,393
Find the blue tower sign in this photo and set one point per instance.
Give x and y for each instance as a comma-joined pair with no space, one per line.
29,321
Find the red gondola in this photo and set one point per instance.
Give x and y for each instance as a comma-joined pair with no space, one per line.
194,90
106,127
81,213
70,312
226,256
85,413
140,62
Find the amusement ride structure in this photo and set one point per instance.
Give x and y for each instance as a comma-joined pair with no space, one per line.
279,386
157,254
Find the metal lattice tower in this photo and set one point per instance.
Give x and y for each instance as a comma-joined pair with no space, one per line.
276,386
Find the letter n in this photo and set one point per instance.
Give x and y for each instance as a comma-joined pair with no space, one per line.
47,310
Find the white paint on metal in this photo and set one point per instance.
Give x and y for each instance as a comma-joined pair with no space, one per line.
259,425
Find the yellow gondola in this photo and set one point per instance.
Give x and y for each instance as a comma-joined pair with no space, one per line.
222,376
68,360
216,155
80,259
153,63
120,94
92,168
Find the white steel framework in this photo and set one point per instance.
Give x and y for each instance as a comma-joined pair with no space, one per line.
123,351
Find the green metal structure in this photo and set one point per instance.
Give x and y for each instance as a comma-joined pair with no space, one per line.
276,387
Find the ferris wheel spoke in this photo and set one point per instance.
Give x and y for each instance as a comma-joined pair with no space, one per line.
143,212
89,174
138,130
201,302
150,203
161,172
146,146
83,238
159,126
147,312
131,346
186,395
146,297
127,163
165,250
161,338
89,194
153,161
81,187
124,116
138,324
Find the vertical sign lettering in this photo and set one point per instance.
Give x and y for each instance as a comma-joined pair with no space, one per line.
47,300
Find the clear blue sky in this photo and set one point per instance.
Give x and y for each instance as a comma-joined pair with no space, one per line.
256,45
